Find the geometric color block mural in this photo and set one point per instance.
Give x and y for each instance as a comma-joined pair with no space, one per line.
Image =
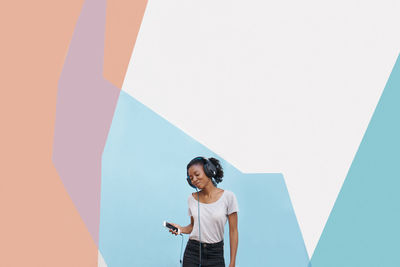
89,172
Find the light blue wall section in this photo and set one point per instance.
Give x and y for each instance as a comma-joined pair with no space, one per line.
143,184
364,226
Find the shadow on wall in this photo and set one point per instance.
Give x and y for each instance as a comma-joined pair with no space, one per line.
144,183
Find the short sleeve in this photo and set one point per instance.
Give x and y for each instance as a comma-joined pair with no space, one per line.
232,203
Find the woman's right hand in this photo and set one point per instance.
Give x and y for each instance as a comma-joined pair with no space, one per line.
177,226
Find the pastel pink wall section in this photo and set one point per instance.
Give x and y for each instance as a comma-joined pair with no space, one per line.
123,21
39,225
85,108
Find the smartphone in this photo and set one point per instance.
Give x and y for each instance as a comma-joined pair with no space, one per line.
170,226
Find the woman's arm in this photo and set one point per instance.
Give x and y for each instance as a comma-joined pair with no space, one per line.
188,229
233,237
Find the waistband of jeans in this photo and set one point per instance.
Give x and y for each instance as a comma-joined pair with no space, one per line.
211,245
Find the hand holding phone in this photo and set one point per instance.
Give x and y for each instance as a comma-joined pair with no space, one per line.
173,228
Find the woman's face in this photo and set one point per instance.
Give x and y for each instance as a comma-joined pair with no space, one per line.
197,176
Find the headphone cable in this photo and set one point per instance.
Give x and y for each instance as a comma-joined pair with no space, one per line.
198,214
180,259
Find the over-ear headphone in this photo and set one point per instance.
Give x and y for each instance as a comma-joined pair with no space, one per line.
209,169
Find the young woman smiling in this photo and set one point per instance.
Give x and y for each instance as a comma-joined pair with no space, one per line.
209,210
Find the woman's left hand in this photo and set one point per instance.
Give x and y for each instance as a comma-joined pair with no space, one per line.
231,265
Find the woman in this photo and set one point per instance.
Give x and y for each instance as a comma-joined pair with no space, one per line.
216,207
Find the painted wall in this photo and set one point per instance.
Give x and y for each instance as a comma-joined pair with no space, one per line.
103,103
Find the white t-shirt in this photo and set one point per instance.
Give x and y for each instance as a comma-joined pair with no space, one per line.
213,217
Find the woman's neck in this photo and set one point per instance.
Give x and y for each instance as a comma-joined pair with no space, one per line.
209,191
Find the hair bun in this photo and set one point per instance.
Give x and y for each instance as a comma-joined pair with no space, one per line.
220,171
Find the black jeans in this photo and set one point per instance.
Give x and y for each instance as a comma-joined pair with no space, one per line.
212,254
